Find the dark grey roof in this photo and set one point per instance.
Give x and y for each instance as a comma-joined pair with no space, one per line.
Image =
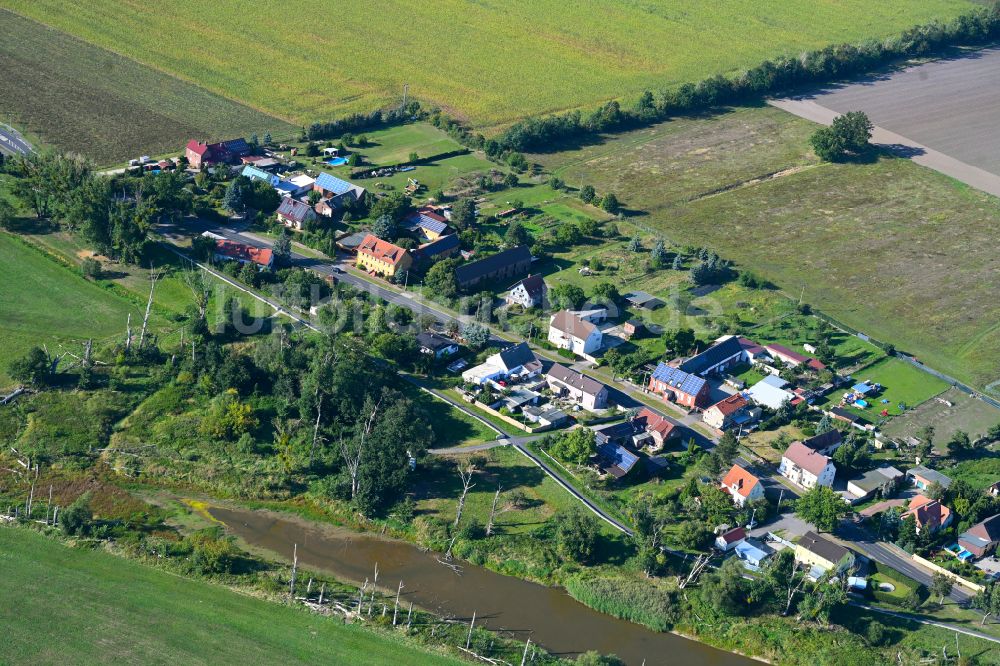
517,355
930,475
714,355
434,341
484,267
293,209
645,300
828,550
824,440
575,379
438,246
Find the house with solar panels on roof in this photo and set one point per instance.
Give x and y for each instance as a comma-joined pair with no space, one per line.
254,173
676,385
427,225
295,214
337,192
615,459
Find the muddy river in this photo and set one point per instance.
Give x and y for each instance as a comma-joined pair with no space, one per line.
549,616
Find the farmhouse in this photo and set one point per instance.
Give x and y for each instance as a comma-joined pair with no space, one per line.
338,192
732,410
294,213
528,293
584,391
678,386
804,467
227,250
442,248
501,266
436,345
717,358
770,392
517,361
982,538
823,555
568,330
929,514
224,152
751,350
792,358
923,478
742,486
378,256
255,173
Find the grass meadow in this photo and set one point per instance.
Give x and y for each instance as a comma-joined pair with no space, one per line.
888,247
491,62
83,99
76,605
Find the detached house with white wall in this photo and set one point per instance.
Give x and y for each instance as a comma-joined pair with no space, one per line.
805,467
569,330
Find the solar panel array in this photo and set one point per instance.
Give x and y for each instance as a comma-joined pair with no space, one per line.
677,378
333,184
618,456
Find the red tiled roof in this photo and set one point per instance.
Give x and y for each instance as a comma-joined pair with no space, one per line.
734,535
785,352
381,250
927,511
258,255
741,479
654,422
197,148
750,346
731,404
806,458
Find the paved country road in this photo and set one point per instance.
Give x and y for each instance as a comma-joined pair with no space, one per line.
11,141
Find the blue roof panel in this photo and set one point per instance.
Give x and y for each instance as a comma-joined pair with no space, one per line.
677,378
618,456
333,184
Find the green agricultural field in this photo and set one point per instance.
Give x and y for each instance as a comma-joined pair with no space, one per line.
83,99
890,248
963,413
492,61
46,303
87,606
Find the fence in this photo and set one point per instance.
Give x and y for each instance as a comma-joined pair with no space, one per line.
951,574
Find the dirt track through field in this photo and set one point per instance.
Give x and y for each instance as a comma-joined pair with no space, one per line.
942,114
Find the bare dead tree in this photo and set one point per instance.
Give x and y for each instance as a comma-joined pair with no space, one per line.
395,608
496,509
353,454
128,333
153,277
699,566
524,657
465,474
295,570
795,585
201,290
48,505
322,592
468,639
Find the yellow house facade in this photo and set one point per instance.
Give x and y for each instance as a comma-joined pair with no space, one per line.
382,257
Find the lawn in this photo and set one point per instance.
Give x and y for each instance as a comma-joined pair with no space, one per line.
79,605
45,303
888,247
488,61
394,145
901,384
964,413
84,99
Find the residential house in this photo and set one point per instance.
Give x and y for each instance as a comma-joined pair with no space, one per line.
567,330
295,214
429,225
633,328
641,299
848,416
584,391
227,250
659,428
923,477
770,392
731,410
823,555
338,191
324,208
826,442
528,293
435,344
793,358
517,361
730,539
753,553
929,514
378,256
504,265
256,173
982,538
868,484
804,467
615,459
678,386
751,350
545,416
223,152
716,359
993,490
742,486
